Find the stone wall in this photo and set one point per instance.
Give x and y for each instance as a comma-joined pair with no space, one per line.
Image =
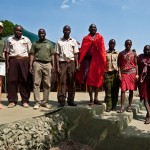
38,133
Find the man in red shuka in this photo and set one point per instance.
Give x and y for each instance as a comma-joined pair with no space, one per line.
144,80
127,65
92,63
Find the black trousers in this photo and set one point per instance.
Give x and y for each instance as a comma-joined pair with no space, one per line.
18,78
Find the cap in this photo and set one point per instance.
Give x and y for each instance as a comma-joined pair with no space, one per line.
1,24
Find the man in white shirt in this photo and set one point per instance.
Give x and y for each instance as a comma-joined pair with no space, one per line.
17,66
67,62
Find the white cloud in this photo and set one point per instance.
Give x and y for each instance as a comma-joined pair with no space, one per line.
65,5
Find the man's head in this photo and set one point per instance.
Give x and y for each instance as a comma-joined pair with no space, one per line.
128,44
66,31
1,27
92,29
18,31
112,44
147,50
41,34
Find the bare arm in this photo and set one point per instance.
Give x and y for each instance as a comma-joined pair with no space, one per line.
53,63
31,57
57,64
119,65
7,61
136,63
76,61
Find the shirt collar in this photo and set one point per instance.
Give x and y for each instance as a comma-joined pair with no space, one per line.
45,41
63,39
22,37
114,52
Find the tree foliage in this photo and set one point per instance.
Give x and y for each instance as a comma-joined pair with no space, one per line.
8,28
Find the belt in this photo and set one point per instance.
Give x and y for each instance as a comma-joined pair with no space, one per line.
2,60
18,57
111,72
69,61
132,70
41,61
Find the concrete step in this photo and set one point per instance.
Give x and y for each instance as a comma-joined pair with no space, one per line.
93,126
111,131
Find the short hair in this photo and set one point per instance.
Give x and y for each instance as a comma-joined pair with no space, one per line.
41,29
127,41
66,26
92,25
18,26
112,40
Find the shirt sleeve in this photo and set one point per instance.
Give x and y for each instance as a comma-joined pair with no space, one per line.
32,50
29,44
57,48
52,48
7,45
76,49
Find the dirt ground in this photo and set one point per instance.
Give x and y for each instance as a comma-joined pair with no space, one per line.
71,145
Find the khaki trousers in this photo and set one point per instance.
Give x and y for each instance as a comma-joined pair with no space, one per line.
41,73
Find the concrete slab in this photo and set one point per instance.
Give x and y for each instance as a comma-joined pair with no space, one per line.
8,115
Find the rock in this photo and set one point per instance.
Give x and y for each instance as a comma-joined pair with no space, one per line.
7,130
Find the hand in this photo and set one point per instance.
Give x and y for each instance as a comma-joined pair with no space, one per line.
120,78
78,68
58,70
7,68
31,69
52,70
137,77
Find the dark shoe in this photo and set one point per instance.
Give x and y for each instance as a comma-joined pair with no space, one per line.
97,102
129,109
72,104
113,109
108,110
91,103
61,104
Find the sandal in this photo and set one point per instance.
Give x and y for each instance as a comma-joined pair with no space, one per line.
129,109
121,110
2,106
108,110
147,121
97,102
146,117
91,102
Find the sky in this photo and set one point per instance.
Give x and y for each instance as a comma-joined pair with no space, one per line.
115,19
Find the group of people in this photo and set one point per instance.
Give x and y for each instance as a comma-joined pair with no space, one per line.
127,71
91,65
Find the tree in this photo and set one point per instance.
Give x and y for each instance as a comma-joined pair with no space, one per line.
8,28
